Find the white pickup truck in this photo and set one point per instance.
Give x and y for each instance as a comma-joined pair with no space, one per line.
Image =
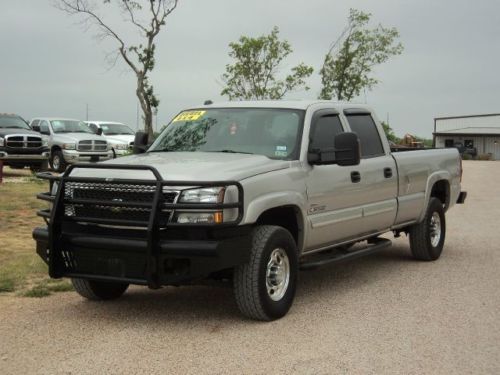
247,192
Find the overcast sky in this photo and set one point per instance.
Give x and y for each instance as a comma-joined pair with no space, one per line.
49,66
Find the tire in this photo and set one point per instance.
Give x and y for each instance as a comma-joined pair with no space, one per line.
261,289
57,162
427,237
98,290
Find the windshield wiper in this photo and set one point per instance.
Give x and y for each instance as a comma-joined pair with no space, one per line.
231,151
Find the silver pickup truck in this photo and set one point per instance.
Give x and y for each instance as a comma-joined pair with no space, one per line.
71,141
246,192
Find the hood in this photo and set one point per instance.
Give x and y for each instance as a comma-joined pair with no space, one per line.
10,131
72,137
125,138
191,166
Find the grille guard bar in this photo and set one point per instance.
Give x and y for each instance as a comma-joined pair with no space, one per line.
55,217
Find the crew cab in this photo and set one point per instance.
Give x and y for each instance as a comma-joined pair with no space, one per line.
20,146
70,141
247,192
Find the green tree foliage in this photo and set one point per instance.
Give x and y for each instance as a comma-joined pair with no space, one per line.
389,133
253,75
348,64
148,17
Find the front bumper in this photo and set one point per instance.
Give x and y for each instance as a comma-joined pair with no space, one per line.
121,229
4,155
73,156
113,255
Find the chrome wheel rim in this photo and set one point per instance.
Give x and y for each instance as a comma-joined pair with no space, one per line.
56,163
435,229
277,274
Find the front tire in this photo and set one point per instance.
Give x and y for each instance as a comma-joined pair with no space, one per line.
57,162
99,290
427,237
265,287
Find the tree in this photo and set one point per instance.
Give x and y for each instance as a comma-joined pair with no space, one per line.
389,133
349,62
139,57
254,73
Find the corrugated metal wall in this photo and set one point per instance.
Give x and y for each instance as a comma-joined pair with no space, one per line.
468,122
484,145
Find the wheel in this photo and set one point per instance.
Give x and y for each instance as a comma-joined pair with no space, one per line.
264,287
98,290
57,161
427,237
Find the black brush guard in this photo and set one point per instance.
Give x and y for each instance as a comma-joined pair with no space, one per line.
148,251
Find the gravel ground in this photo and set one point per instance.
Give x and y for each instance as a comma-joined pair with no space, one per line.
381,314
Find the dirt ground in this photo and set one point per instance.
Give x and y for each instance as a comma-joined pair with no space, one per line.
382,314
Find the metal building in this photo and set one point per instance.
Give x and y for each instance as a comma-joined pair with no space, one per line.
475,134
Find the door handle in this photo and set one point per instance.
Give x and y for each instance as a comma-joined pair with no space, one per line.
387,172
355,177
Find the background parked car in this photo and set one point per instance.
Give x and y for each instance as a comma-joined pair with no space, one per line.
120,136
20,146
71,141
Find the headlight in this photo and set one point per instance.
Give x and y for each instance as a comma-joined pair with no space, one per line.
199,217
1,142
120,146
45,142
203,195
69,146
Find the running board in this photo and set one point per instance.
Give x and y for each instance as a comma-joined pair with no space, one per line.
320,259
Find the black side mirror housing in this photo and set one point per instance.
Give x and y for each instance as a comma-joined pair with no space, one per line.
140,143
346,151
36,128
99,131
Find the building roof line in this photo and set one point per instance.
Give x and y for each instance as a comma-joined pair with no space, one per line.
467,116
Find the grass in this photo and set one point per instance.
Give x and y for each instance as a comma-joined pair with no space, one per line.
22,272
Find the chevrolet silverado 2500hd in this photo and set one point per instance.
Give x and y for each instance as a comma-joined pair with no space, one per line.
249,192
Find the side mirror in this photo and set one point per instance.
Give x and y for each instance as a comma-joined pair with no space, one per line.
36,128
99,131
346,151
140,143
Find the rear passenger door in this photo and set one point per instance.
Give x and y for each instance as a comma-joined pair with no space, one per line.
377,173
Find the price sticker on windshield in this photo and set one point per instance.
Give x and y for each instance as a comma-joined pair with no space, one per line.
189,116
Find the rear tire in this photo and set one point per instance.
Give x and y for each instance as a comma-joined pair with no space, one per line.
99,290
264,287
427,237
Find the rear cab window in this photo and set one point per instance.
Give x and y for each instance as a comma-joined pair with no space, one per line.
363,125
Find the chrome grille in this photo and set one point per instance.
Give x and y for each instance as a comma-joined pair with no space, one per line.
92,145
23,141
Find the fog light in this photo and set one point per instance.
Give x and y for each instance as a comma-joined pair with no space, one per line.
199,217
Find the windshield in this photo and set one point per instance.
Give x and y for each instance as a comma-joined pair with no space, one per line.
69,126
274,133
116,129
13,122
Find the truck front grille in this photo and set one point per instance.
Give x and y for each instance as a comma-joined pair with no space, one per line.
116,194
92,145
23,141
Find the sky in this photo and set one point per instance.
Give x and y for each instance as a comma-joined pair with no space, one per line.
51,65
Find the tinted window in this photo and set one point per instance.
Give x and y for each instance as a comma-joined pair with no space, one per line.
449,143
275,133
324,131
44,127
367,132
34,123
12,122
